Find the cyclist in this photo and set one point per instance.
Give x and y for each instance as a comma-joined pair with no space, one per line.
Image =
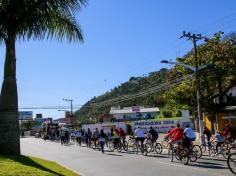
219,142
154,134
228,133
177,134
189,133
116,137
122,135
139,136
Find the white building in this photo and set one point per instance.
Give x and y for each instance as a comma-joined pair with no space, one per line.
134,113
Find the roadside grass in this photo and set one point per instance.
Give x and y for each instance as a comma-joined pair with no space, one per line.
31,166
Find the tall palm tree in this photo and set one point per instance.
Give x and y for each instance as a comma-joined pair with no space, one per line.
24,20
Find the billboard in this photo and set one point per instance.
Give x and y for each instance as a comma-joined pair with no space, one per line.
25,115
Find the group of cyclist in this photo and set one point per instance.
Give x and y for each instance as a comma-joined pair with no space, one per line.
182,137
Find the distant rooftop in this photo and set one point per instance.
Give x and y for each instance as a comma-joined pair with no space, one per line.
129,110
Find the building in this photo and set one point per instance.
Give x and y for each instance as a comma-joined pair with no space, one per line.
225,116
134,113
25,115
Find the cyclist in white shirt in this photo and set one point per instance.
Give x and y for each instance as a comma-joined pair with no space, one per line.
139,136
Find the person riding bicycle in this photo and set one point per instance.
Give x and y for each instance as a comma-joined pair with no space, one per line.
177,134
190,133
122,135
228,133
139,136
177,137
186,142
116,137
154,134
219,141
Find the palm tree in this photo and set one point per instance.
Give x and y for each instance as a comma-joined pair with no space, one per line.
24,20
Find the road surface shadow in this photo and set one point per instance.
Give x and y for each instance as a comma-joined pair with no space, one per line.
208,165
29,162
213,159
156,156
112,154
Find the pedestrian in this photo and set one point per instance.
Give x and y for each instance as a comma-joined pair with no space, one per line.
207,132
102,137
78,136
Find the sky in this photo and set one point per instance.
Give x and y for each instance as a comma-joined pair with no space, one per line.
122,39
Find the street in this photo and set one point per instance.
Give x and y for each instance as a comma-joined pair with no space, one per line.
91,162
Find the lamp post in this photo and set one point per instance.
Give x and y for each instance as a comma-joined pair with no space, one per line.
195,70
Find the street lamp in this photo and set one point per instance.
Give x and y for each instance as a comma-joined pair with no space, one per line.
195,70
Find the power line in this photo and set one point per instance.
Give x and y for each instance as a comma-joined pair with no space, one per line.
155,89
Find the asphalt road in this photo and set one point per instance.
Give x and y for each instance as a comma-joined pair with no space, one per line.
90,162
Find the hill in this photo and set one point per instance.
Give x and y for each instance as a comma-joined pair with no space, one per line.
133,92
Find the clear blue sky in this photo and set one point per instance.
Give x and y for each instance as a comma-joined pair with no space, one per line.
123,38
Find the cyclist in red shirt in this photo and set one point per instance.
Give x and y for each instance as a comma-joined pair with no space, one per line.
177,134
228,133
122,134
177,137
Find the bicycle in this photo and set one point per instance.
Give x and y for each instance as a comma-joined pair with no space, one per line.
138,146
155,146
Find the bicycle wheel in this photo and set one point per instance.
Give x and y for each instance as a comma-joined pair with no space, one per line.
231,162
125,146
148,147
165,144
192,156
232,149
135,148
145,152
93,145
225,152
203,147
119,147
111,146
197,149
183,156
158,148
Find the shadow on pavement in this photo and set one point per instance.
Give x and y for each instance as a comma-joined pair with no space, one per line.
29,162
213,159
208,165
156,156
113,154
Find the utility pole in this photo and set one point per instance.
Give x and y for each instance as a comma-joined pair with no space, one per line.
71,109
195,38
71,104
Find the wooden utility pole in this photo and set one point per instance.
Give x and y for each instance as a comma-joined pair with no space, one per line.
195,38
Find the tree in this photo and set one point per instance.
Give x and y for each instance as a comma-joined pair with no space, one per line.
24,20
214,83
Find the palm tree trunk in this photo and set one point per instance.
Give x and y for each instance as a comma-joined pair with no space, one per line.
9,123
